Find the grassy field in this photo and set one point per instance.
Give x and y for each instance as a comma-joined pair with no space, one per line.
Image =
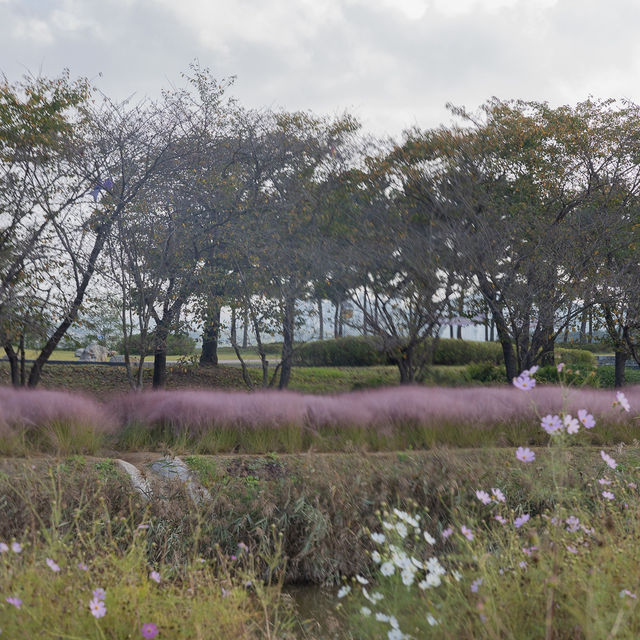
413,500
174,563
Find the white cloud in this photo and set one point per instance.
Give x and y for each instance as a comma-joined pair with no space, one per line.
394,62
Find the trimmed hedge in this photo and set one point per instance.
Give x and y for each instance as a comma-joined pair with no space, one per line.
575,357
366,351
351,351
450,351
602,346
177,345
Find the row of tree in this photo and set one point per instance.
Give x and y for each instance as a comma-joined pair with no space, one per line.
521,216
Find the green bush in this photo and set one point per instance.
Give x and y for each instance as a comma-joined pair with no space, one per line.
272,348
575,357
602,346
178,344
458,352
606,376
484,372
351,351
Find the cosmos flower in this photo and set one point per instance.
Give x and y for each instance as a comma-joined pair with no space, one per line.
524,454
98,608
149,630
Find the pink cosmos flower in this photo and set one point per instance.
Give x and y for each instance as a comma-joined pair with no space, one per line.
520,520
524,383
16,547
52,565
83,566
16,602
629,594
604,481
586,418
608,495
500,519
497,495
155,576
608,459
98,608
560,367
632,485
622,401
142,527
571,424
551,424
524,454
573,524
99,594
522,564
571,549
149,630
466,532
4,547
475,585
446,532
483,496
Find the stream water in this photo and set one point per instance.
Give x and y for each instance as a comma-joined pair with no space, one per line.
317,607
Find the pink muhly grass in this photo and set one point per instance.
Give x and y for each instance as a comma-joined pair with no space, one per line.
196,412
38,408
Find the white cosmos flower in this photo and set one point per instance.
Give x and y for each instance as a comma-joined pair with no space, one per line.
401,528
428,537
434,566
365,611
387,569
376,557
431,620
362,580
378,537
408,576
345,590
382,617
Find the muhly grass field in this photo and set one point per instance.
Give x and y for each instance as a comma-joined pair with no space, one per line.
521,521
259,422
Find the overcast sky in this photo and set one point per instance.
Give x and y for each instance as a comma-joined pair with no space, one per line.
393,63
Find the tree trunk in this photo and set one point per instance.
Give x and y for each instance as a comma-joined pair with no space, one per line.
321,319
288,323
245,329
210,336
160,356
460,312
492,335
13,363
23,373
566,327
234,332
583,326
69,318
405,366
590,326
621,361
336,319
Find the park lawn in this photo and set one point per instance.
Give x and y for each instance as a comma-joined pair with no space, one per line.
100,380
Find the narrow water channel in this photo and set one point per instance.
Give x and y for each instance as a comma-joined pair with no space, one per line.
317,607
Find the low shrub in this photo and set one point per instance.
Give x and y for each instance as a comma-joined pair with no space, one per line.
575,357
458,352
178,344
350,351
485,372
601,346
